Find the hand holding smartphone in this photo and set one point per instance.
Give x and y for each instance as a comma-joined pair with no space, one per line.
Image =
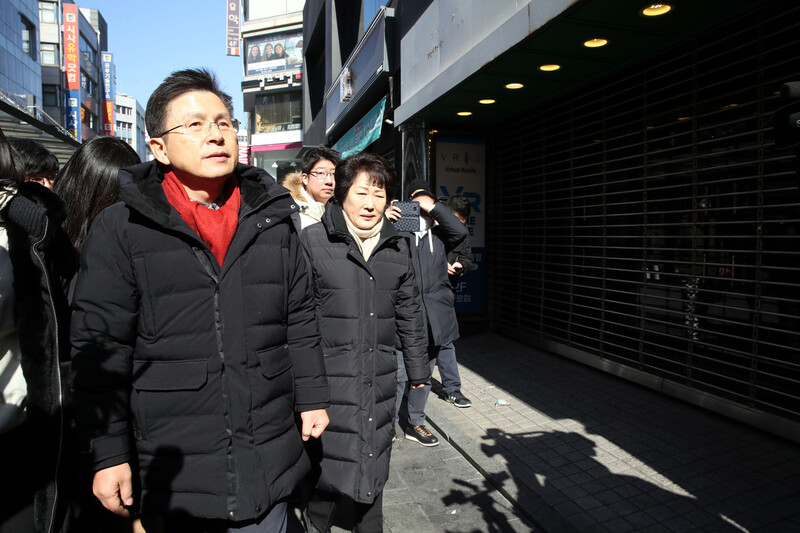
409,216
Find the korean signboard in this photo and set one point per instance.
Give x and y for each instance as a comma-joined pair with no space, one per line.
276,52
232,45
461,169
72,70
108,93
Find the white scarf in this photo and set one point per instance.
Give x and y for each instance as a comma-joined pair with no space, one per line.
312,208
367,239
425,225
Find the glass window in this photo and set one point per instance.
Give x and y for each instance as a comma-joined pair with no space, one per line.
47,12
50,95
28,37
49,52
278,112
87,51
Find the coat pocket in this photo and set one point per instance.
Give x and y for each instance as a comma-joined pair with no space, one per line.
153,379
274,361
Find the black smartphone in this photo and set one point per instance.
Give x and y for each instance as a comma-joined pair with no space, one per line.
409,216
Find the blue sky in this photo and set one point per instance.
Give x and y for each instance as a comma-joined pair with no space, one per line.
151,38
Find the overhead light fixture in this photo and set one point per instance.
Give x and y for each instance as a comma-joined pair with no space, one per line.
549,68
275,164
464,113
388,121
729,106
654,10
681,119
595,43
433,131
514,85
486,101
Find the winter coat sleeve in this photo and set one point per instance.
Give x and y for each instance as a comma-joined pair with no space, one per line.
449,229
103,333
462,254
411,329
310,380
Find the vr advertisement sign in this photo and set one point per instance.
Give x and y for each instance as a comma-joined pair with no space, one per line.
461,169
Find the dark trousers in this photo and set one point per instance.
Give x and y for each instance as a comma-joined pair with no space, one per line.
17,486
324,508
411,402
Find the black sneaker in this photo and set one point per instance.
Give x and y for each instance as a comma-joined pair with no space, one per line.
422,435
458,399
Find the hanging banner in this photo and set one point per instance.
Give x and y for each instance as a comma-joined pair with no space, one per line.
108,92
72,79
461,169
232,46
364,133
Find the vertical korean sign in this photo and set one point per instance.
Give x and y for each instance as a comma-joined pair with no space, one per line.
108,93
72,68
461,169
232,45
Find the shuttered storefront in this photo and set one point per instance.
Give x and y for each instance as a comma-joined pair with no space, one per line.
649,220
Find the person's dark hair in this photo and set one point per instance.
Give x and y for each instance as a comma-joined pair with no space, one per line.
34,157
177,84
317,154
459,204
379,170
88,182
11,172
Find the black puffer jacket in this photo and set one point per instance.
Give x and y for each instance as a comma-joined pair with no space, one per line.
361,306
429,254
201,366
43,260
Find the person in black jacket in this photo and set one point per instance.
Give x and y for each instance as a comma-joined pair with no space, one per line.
194,337
34,451
459,259
440,232
366,296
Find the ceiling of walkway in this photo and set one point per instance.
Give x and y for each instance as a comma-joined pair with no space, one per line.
631,37
17,123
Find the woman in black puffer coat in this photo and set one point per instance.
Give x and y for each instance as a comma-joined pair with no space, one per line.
365,291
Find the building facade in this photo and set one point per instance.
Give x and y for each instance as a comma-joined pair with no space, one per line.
129,124
272,52
24,97
631,208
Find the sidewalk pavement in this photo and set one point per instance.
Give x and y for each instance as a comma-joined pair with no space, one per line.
561,447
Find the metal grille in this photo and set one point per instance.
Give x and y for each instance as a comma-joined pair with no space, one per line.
651,221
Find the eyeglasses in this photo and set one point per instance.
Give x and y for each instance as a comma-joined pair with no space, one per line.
321,174
45,179
199,128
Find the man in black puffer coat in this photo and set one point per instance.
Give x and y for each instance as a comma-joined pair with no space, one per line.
194,336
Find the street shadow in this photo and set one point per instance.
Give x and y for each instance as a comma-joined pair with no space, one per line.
605,448
480,496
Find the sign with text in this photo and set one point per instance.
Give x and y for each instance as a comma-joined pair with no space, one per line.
461,169
275,52
108,92
234,9
72,78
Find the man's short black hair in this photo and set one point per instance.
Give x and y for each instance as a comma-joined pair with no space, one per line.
317,154
177,84
459,205
34,157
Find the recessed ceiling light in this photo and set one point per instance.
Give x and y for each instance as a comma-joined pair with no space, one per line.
514,85
595,43
549,68
433,131
464,113
487,101
654,10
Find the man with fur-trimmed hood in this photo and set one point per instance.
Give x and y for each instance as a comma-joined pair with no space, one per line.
314,186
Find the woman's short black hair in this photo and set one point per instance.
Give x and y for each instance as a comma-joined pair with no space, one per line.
379,170
88,182
35,158
11,172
